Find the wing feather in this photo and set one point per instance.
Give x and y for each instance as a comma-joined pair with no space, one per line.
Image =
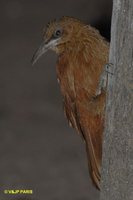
92,124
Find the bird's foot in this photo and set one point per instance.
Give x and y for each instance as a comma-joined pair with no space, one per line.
107,70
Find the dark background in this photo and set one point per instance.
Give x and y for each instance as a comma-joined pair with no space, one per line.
38,150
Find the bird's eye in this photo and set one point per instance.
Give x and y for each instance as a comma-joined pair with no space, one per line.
58,33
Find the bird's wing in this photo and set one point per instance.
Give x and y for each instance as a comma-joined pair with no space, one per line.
71,114
90,126
91,121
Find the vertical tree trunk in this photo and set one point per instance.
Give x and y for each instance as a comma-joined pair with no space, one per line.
117,169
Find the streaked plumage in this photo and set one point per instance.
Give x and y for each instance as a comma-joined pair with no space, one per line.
82,54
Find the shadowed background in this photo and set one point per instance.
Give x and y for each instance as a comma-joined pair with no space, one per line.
38,150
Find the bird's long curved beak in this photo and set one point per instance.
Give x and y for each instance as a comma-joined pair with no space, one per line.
40,51
44,47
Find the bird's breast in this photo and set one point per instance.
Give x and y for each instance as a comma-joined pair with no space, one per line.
65,74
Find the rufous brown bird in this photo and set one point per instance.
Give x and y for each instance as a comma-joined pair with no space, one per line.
82,55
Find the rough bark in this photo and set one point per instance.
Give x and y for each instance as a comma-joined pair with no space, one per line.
117,169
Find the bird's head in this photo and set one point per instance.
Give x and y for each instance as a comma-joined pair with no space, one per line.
59,36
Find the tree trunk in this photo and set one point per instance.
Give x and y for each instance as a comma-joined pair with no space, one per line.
117,169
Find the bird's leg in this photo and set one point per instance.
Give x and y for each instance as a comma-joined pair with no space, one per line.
103,81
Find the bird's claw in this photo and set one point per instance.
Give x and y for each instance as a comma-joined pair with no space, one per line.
107,70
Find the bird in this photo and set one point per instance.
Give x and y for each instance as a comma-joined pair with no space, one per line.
82,54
